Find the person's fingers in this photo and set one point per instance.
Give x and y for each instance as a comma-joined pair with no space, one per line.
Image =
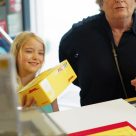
30,101
27,101
24,99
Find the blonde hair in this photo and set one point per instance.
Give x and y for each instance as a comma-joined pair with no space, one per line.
20,40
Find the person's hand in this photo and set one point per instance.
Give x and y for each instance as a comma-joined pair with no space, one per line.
55,105
28,101
133,82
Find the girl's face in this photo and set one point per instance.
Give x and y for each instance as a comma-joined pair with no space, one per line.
30,57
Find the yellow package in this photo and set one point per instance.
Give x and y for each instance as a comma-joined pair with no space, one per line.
47,86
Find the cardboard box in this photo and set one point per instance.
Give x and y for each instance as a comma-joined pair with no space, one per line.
46,87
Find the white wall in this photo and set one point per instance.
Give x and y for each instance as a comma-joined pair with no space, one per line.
51,19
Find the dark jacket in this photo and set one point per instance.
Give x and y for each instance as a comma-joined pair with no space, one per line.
87,46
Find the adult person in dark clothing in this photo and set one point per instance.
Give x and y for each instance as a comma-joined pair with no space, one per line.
102,51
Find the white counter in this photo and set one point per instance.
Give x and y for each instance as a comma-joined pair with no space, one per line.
95,115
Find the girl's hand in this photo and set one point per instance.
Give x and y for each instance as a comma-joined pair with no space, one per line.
28,101
55,105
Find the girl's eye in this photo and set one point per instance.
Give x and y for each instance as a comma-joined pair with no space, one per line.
41,53
28,51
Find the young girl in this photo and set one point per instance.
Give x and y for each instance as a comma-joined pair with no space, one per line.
29,52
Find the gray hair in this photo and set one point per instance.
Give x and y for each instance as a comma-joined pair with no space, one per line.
100,3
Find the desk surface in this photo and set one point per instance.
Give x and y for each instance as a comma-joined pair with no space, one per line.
95,115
